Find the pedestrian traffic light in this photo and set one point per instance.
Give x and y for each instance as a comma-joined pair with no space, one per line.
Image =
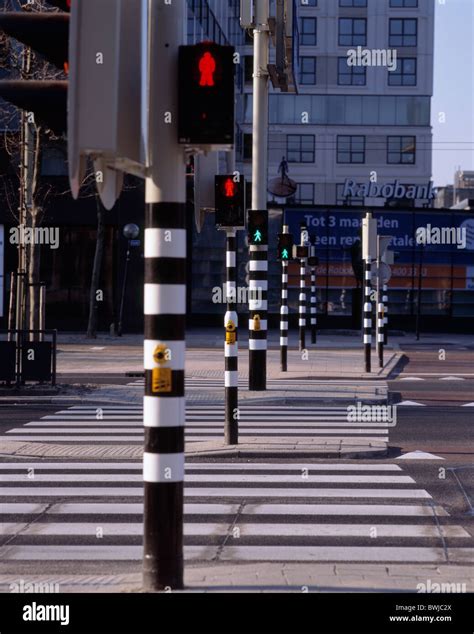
313,261
206,95
285,247
47,34
257,227
230,201
300,252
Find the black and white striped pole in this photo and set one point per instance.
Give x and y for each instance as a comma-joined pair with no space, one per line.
367,314
303,255
313,262
383,275
385,313
165,310
380,329
369,249
285,252
231,323
258,303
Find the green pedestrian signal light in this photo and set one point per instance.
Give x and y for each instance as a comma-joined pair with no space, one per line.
285,247
257,224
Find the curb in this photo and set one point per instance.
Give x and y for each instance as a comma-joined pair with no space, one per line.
31,450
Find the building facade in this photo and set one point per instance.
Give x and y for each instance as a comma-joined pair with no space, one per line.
353,123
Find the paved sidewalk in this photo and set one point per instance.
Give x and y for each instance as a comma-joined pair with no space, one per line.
279,577
250,448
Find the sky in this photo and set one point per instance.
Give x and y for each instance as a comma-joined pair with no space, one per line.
453,89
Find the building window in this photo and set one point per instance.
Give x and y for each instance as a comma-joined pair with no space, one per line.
352,201
307,70
300,148
54,162
351,149
248,68
403,32
401,150
352,3
403,4
352,31
304,195
350,75
246,146
309,31
404,74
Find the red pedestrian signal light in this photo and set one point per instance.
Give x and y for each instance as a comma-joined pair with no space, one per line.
207,68
230,201
206,94
230,188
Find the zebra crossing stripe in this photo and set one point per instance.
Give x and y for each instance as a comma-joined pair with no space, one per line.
237,492
212,529
237,478
288,502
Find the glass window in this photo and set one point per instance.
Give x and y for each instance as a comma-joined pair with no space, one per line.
353,110
352,201
309,31
351,149
350,75
352,3
401,150
308,70
403,32
346,109
300,148
403,4
352,31
404,74
248,68
304,195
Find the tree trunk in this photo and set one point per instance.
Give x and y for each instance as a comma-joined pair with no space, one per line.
34,262
96,273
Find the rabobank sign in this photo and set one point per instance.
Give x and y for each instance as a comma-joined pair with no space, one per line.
388,190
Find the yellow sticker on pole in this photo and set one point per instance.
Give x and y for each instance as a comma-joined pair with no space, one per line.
230,337
256,322
161,380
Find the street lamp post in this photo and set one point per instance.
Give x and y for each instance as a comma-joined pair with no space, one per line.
130,232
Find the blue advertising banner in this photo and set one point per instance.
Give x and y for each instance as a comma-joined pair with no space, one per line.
446,239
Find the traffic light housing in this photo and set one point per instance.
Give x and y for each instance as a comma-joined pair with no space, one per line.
313,261
257,227
230,201
300,252
206,95
46,34
285,247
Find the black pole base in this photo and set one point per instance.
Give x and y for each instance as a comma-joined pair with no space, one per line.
284,359
231,426
257,370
